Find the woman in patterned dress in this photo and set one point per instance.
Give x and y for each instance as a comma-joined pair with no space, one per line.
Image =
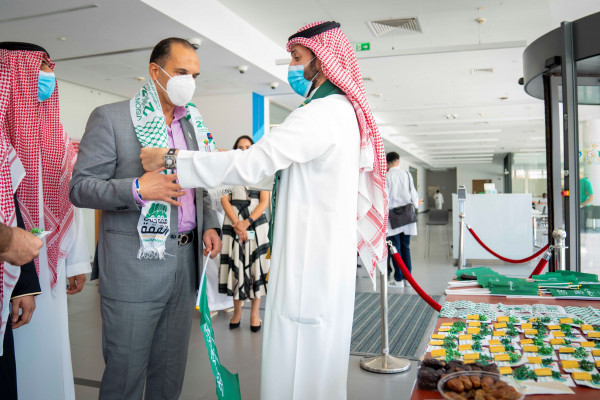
244,267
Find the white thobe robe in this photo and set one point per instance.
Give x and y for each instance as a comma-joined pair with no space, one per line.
439,201
42,347
310,301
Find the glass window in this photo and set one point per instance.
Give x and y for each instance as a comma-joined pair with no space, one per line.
588,89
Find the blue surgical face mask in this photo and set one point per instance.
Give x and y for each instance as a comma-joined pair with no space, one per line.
46,85
297,81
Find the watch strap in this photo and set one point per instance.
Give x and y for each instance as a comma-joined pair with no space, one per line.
170,160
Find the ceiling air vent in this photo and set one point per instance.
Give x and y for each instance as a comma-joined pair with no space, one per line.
384,26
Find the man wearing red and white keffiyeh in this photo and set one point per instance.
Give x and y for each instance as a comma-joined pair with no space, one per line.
329,197
30,124
341,68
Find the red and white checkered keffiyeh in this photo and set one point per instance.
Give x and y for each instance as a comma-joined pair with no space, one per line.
340,66
34,130
7,202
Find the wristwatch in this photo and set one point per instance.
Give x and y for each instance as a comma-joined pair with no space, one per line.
171,159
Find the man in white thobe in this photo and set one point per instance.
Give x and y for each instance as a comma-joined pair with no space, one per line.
439,200
331,162
31,123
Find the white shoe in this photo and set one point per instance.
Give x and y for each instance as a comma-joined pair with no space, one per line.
406,283
394,283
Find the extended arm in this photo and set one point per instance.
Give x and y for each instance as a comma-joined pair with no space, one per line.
93,184
18,246
304,136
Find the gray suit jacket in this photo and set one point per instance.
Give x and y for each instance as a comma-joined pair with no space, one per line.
107,164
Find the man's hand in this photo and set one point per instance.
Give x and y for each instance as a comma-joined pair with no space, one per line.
241,229
22,247
26,304
155,185
76,284
153,158
420,202
212,243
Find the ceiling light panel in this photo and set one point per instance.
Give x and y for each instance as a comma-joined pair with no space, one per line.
442,156
460,147
459,140
464,162
444,151
467,132
482,71
464,159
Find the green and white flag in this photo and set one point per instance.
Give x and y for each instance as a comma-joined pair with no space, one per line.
228,384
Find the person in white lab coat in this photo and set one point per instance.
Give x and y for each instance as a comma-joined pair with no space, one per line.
439,200
331,162
401,191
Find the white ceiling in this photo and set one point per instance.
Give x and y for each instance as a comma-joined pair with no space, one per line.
113,26
417,80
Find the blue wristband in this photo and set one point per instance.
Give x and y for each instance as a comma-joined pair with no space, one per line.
137,188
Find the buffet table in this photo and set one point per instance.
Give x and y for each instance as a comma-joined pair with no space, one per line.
581,392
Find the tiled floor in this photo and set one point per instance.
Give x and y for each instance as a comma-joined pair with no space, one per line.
240,350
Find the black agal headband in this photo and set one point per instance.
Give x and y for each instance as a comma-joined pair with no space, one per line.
22,46
315,30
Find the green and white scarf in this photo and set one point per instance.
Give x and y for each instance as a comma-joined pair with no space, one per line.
151,130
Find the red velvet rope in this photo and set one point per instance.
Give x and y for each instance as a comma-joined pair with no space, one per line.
504,258
540,267
436,306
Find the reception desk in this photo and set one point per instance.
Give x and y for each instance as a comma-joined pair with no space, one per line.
502,221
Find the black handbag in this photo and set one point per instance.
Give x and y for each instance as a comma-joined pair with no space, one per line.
403,215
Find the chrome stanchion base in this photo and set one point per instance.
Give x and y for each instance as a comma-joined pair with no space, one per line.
385,364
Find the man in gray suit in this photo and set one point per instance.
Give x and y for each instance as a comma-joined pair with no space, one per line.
146,304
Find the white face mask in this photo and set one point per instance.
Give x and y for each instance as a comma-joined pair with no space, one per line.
180,88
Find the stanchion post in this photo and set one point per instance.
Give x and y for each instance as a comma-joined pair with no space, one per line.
461,241
559,235
461,197
384,363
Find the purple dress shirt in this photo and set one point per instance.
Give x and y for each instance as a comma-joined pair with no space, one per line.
186,214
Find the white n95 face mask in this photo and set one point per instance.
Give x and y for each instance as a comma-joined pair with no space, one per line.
180,88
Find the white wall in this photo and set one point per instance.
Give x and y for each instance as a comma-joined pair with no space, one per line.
466,173
502,221
227,116
76,104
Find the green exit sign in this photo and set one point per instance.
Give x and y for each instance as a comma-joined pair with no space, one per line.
363,46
